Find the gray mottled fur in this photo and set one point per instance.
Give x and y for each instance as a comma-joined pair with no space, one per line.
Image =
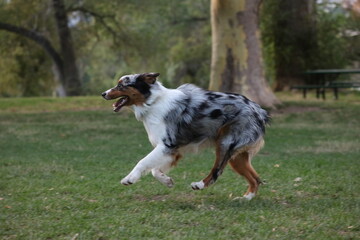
201,114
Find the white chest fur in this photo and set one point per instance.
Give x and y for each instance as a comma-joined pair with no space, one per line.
155,128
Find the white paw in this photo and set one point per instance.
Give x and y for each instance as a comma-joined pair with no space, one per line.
162,177
169,182
131,178
249,196
246,197
198,185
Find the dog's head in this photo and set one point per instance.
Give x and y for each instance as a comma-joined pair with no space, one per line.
131,90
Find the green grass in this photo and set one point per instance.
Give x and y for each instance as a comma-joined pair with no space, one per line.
61,161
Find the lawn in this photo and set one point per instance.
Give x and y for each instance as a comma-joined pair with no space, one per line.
61,161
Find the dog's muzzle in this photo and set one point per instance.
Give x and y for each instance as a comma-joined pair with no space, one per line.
104,95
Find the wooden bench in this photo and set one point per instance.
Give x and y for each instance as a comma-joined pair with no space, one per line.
320,89
322,79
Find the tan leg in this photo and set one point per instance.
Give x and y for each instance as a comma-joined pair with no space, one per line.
241,163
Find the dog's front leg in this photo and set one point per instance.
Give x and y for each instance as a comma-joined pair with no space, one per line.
157,157
162,177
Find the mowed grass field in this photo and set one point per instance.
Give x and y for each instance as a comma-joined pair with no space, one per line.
61,161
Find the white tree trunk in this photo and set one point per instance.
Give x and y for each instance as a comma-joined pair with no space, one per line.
236,64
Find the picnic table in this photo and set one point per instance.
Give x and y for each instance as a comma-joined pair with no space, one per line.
322,79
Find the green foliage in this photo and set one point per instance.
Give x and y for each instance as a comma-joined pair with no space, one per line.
24,72
267,23
333,48
61,164
147,40
111,38
25,68
289,37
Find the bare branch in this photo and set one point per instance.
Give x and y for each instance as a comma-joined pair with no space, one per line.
102,20
39,39
98,16
190,20
86,10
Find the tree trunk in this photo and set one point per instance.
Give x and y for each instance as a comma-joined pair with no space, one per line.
236,63
71,74
60,90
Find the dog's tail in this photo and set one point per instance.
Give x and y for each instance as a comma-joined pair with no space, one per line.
264,118
261,114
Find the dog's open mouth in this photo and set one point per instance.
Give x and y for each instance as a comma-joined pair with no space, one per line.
120,103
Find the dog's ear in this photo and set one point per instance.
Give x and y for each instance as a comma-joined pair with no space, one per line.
149,78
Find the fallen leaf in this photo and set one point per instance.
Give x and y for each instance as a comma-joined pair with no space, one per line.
75,237
277,165
238,199
8,207
298,179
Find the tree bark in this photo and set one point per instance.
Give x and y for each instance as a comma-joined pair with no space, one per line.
71,73
236,63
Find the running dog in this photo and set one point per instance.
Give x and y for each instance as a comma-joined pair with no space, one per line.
187,117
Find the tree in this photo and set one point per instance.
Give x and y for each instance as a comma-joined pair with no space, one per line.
236,50
64,60
69,73
290,29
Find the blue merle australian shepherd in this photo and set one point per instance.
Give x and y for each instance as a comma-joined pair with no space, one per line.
177,120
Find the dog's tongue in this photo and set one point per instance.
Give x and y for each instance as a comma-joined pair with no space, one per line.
119,104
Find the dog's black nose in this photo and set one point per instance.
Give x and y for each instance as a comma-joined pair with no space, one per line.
103,94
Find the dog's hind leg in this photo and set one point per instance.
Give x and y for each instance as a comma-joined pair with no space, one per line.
222,157
225,146
241,163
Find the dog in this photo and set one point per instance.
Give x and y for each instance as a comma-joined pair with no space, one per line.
189,117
